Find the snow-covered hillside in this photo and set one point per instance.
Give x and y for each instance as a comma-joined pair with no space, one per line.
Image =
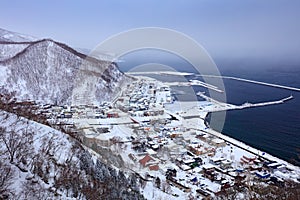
51,72
8,50
12,43
10,36
38,162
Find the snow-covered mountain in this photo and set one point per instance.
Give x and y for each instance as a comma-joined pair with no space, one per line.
51,72
10,36
8,41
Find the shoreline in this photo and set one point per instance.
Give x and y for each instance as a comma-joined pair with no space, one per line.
240,144
249,148
233,141
178,137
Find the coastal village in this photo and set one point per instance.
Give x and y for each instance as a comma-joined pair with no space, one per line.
168,144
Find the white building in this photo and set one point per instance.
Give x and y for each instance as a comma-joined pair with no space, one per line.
163,96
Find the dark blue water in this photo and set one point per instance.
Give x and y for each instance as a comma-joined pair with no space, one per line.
274,129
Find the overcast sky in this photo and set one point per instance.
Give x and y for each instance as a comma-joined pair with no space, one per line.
262,28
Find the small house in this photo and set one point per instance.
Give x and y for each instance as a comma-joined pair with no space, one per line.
154,167
218,142
145,160
262,175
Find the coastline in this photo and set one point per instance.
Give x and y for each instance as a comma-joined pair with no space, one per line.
178,137
255,151
250,149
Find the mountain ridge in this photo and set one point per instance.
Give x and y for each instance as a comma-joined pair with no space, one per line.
6,35
52,72
62,45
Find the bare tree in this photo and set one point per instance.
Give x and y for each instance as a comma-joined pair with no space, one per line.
17,142
33,191
6,175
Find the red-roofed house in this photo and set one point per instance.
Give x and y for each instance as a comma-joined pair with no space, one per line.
146,159
154,167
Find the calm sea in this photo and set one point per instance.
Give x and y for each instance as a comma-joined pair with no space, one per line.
274,129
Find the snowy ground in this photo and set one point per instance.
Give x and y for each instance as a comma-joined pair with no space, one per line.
188,124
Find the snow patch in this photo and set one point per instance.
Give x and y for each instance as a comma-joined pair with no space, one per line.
3,75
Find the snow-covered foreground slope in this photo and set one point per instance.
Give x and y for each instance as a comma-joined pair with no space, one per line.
38,162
